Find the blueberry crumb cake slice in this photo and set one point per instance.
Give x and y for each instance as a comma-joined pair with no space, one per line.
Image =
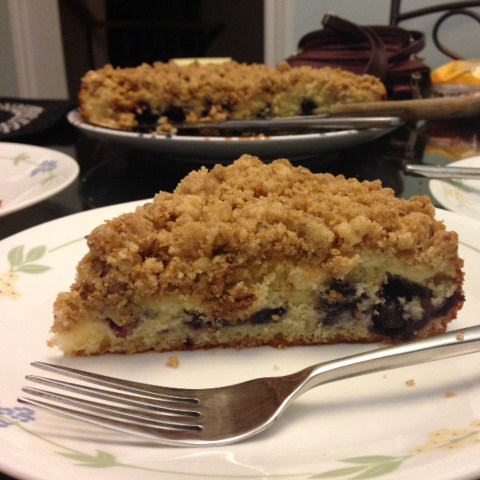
257,254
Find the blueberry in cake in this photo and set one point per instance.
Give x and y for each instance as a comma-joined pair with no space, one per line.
153,98
257,254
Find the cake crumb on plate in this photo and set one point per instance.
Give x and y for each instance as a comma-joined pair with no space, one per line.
173,361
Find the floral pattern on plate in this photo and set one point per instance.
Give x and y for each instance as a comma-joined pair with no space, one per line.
24,262
30,174
360,467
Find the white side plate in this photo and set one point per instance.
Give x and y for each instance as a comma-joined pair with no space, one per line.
30,174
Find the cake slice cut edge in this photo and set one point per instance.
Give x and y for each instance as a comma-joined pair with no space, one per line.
255,254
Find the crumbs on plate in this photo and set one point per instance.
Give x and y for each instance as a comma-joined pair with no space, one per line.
410,382
173,361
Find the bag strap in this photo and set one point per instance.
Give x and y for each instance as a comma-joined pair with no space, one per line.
378,62
411,41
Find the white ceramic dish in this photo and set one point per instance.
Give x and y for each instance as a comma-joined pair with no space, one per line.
376,425
461,196
215,149
30,174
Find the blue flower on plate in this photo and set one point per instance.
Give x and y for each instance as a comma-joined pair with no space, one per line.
44,167
10,415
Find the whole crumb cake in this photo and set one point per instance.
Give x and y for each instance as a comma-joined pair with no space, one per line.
151,98
262,254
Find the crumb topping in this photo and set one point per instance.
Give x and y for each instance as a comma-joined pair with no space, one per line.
114,97
221,230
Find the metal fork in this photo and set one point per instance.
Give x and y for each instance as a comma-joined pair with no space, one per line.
302,124
223,415
434,171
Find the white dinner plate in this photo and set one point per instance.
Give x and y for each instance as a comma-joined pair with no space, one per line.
30,174
413,422
215,149
459,195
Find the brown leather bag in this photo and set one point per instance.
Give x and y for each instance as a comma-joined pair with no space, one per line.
389,53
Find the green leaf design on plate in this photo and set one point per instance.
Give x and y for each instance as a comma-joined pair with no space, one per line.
21,157
369,459
100,460
35,253
33,268
368,466
19,262
378,470
15,256
339,472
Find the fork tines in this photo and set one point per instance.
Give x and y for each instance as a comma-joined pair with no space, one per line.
146,410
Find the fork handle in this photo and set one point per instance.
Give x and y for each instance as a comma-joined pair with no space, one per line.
415,109
451,344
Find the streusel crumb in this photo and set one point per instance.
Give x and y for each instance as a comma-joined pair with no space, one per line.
173,361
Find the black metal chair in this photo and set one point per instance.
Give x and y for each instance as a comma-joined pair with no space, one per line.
450,9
